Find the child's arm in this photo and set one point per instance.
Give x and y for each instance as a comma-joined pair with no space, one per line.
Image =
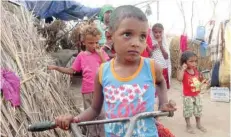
164,104
102,54
109,53
160,82
180,72
76,67
102,58
202,79
64,121
64,70
163,50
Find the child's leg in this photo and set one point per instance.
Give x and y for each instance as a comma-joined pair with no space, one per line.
198,113
87,99
199,126
100,128
189,126
187,112
92,129
86,104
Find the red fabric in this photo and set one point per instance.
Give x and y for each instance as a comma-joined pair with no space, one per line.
165,74
183,43
149,44
113,51
162,131
188,83
149,39
145,53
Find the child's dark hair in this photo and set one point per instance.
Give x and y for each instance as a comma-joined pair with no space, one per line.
185,56
122,12
158,25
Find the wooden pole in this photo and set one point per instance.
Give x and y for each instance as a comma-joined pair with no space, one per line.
158,10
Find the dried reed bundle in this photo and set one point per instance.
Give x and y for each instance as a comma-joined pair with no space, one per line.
44,94
203,62
57,36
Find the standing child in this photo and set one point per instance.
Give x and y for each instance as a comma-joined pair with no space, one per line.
160,51
88,62
191,80
125,85
104,17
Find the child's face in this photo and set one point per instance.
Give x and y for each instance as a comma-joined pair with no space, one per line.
106,17
91,42
157,33
192,62
130,38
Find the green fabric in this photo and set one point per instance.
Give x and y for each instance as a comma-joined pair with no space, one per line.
102,31
103,10
100,24
192,105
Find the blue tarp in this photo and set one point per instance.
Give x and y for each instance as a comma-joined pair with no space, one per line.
63,10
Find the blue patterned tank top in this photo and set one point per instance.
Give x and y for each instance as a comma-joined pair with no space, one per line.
126,97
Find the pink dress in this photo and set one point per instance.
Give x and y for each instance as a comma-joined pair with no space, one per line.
88,63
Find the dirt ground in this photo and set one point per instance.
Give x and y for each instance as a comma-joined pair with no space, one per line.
216,115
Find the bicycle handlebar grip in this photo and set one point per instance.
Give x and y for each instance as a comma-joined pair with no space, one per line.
42,126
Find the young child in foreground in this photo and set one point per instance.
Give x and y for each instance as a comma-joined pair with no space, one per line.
125,86
88,62
192,81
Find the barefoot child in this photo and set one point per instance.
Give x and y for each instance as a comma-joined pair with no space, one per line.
125,86
88,62
191,80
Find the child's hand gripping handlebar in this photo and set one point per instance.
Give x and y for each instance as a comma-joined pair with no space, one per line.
46,125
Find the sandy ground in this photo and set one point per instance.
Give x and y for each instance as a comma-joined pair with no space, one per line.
216,115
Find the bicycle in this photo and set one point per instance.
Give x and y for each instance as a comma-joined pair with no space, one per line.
47,125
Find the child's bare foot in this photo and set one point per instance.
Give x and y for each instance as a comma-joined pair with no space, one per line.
190,130
201,128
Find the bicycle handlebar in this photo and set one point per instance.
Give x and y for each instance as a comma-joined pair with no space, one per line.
47,125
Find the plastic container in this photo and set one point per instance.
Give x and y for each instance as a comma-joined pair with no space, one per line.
200,35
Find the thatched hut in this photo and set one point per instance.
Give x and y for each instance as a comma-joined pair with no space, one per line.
44,94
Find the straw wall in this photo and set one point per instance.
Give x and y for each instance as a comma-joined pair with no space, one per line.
44,94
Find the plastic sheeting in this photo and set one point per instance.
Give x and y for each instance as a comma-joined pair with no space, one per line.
63,10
